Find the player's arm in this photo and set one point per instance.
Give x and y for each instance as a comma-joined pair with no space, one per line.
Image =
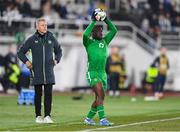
23,50
87,32
112,31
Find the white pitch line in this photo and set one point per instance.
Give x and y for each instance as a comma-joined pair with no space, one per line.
164,113
43,125
132,124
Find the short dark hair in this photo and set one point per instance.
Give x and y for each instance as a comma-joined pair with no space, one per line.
96,29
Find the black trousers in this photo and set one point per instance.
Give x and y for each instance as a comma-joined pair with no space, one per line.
47,99
160,82
114,81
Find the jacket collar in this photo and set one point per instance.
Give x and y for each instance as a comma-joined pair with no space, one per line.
40,35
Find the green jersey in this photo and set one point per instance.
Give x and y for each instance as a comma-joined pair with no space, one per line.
97,50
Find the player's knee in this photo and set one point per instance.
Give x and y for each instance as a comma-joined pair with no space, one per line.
99,101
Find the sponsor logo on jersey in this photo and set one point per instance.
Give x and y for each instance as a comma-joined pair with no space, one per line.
36,41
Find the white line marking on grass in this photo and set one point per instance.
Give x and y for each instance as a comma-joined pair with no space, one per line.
133,124
164,113
43,125
74,123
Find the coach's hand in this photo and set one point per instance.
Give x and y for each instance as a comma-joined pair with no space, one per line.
29,64
55,62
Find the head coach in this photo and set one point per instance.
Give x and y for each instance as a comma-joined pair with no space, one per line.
46,53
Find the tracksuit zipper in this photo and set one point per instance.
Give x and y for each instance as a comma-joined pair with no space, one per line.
44,72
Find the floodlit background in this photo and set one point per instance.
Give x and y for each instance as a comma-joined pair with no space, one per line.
143,27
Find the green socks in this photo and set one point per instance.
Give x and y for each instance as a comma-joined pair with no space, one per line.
92,113
99,109
101,113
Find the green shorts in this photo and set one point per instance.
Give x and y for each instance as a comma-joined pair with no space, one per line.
97,77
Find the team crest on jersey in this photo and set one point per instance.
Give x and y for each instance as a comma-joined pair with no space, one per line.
95,79
101,45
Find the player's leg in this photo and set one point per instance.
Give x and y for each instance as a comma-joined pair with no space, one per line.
89,119
99,103
93,110
47,103
37,103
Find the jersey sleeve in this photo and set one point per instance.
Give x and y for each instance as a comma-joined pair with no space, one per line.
112,31
87,33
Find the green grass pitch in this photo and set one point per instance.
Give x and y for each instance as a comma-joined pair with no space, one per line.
68,114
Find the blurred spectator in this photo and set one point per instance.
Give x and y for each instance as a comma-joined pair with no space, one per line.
123,74
162,15
82,15
2,73
154,4
2,7
176,22
12,12
12,70
162,63
145,25
173,12
154,21
49,14
148,83
24,7
167,6
164,22
91,8
116,71
101,4
61,9
79,1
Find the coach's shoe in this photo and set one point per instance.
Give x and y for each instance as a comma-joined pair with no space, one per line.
39,119
105,122
48,119
89,121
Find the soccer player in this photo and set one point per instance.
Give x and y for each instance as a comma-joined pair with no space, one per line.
97,52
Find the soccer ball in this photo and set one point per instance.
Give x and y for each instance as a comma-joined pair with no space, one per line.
100,15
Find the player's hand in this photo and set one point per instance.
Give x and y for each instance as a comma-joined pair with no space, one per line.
55,62
29,64
93,17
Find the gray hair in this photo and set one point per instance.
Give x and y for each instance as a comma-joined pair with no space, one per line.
39,20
